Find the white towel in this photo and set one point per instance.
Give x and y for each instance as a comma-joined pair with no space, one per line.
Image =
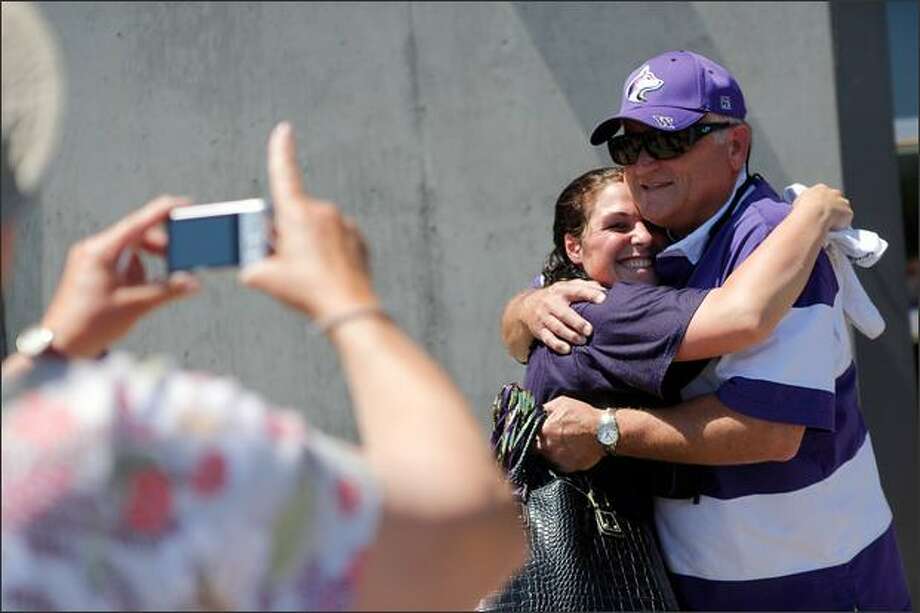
845,248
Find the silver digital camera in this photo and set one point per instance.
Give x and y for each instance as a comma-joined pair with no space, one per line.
218,235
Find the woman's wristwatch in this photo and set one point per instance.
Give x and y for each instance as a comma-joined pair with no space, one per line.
608,432
36,342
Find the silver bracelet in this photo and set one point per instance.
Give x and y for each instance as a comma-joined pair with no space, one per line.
326,324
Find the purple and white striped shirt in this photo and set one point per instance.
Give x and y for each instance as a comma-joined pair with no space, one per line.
814,532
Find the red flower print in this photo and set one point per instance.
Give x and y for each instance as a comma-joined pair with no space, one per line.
210,474
349,496
149,505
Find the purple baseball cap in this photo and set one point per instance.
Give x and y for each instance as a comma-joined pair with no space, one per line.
672,91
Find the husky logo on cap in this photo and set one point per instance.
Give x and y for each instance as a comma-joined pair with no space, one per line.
641,84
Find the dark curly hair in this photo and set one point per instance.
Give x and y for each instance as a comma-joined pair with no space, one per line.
572,212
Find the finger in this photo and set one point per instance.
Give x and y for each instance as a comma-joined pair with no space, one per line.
554,343
584,294
130,229
579,291
155,240
273,237
123,262
351,232
283,172
356,240
563,332
269,277
573,321
258,274
151,295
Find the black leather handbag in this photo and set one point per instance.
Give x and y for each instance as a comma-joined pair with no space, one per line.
588,552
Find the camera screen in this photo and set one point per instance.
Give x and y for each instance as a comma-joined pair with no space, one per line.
204,242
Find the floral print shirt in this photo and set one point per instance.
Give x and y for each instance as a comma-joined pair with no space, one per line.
134,485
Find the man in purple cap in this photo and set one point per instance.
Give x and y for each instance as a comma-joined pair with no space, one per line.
807,527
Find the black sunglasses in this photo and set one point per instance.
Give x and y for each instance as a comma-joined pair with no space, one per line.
661,145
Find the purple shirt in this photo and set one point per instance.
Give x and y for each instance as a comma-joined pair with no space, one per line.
637,331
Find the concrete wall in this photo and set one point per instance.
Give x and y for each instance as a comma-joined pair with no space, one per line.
447,129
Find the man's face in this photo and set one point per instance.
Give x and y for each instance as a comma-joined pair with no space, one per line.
683,192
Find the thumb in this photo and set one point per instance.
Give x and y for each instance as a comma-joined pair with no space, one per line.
151,295
259,275
271,277
586,292
600,291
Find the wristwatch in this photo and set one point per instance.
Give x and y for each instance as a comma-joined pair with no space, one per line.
35,341
608,433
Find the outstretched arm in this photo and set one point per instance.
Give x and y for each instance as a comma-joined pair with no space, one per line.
449,525
697,431
756,296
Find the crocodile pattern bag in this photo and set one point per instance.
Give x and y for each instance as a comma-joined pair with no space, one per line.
586,552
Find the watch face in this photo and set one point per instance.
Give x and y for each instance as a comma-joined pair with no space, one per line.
606,434
34,341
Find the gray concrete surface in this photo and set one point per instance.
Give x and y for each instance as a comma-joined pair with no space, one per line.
447,129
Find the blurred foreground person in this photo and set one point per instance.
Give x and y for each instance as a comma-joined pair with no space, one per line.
131,484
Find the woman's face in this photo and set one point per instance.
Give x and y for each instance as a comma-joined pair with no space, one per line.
616,244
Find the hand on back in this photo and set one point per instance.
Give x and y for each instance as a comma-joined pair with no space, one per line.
548,314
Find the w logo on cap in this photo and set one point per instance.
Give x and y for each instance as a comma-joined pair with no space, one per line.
645,81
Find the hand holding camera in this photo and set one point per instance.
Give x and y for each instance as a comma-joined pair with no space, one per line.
320,261
104,289
319,265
